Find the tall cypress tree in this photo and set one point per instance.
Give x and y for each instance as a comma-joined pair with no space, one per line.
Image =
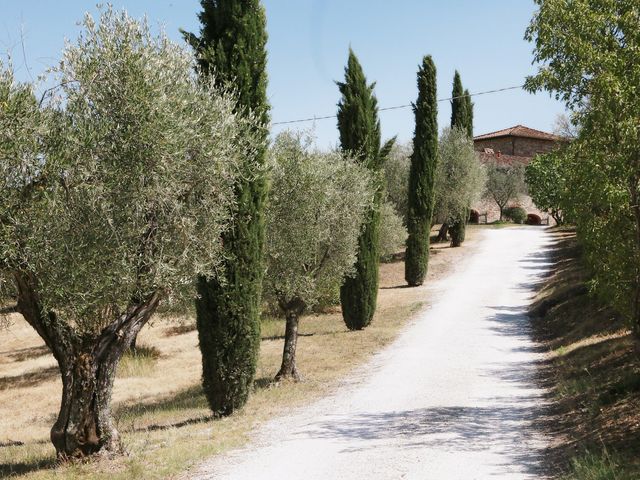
232,46
461,117
422,175
469,112
359,129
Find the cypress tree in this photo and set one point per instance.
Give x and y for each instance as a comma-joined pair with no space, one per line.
422,175
461,117
359,130
232,45
469,112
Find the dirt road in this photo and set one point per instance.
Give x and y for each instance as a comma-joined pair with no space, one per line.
452,398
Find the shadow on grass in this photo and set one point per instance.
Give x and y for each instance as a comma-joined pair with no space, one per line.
180,403
22,468
28,353
180,330
395,287
187,400
263,383
29,379
594,375
281,337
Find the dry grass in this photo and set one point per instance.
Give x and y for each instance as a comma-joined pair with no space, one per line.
158,402
594,372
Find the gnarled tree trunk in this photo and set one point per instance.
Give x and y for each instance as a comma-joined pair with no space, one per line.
457,234
85,425
442,234
458,229
87,366
292,309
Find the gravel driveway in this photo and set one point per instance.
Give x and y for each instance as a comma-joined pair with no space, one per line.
452,398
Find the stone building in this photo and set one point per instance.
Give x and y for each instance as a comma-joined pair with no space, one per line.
517,144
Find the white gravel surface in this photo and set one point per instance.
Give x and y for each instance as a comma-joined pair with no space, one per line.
452,398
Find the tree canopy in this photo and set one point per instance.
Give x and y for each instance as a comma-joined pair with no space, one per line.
232,51
546,178
505,182
460,177
422,174
359,129
588,56
314,218
115,192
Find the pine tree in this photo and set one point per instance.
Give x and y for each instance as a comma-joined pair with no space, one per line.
462,118
359,129
422,175
232,46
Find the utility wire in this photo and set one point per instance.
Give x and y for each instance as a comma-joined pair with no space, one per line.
397,107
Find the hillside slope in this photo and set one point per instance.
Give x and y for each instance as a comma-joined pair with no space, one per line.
592,370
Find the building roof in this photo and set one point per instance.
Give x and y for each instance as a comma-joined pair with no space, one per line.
502,158
520,131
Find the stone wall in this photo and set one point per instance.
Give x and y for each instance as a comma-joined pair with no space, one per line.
501,144
493,212
529,147
519,146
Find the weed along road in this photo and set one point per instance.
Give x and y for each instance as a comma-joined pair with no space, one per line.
452,398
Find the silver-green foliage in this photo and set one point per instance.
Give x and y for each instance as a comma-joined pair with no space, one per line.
505,182
316,208
22,128
394,209
393,232
120,186
460,177
396,178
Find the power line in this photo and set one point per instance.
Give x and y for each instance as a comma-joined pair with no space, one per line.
397,107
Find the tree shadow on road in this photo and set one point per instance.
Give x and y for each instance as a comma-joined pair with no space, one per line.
505,428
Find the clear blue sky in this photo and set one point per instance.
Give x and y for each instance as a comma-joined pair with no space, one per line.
308,44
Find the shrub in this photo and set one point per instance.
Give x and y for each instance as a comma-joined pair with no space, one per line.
515,214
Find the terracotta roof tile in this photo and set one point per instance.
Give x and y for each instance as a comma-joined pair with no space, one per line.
520,131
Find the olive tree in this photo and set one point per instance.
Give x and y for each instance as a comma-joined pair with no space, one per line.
396,178
314,216
115,195
395,208
460,177
505,182
393,233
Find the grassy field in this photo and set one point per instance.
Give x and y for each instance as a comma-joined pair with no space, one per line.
158,402
593,371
